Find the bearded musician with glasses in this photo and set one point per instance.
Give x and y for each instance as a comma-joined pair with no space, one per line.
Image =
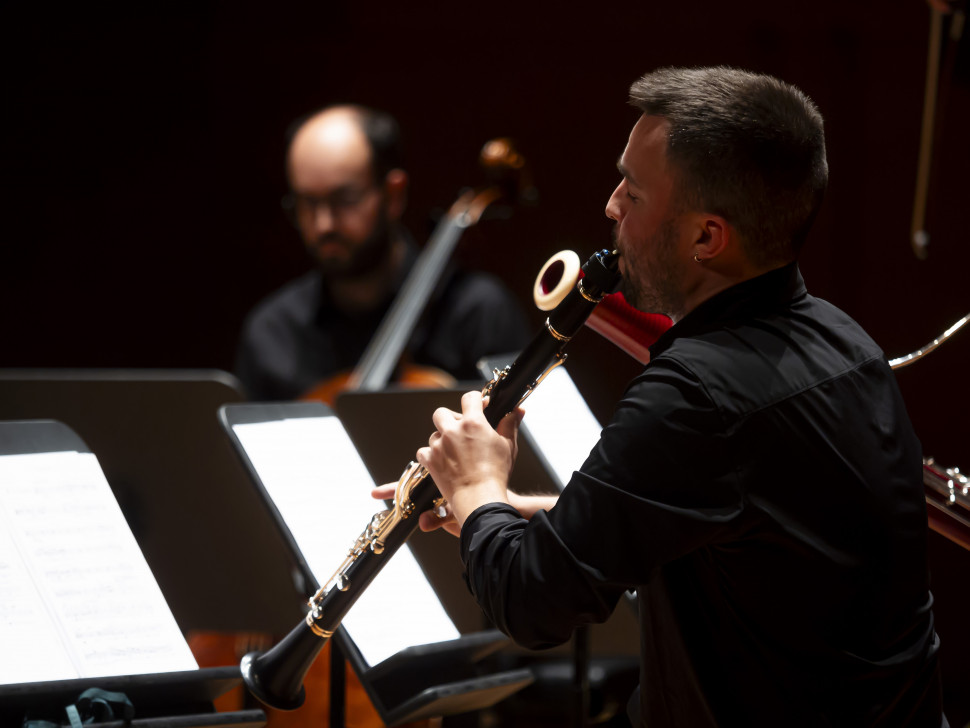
348,193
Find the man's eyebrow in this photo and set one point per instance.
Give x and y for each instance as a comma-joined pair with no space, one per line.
625,172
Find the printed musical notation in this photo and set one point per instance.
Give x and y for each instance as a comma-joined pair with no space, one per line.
77,598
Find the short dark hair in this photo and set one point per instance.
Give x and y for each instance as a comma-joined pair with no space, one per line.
381,130
384,136
745,146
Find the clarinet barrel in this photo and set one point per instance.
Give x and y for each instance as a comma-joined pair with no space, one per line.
599,278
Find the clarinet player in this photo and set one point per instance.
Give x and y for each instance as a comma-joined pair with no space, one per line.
759,484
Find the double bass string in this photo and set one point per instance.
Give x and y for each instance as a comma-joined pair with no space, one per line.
395,329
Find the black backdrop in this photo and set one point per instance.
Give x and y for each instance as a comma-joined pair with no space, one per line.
143,145
142,159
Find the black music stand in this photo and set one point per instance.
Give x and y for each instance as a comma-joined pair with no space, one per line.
215,551
418,681
161,700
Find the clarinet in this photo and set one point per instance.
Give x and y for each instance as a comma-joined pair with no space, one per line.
276,676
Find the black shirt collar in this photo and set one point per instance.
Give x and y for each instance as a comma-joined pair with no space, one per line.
775,288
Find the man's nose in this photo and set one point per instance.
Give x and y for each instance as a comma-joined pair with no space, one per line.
323,217
613,204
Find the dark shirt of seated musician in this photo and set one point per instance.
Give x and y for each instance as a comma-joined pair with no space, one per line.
348,194
759,484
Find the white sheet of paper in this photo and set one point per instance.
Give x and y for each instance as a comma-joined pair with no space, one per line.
74,544
32,646
561,424
314,475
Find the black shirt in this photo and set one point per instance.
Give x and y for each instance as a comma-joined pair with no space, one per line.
296,339
760,486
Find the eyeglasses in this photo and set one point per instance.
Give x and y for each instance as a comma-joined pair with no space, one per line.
344,200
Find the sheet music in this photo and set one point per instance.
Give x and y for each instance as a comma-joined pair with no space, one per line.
27,631
81,595
316,479
561,424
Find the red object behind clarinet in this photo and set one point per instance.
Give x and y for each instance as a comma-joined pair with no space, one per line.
614,319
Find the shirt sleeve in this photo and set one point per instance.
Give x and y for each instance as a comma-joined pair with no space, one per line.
659,483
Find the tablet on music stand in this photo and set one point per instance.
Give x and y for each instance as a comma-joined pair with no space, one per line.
410,658
556,435
82,607
207,537
403,418
559,426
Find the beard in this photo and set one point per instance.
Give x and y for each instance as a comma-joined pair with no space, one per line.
652,282
362,257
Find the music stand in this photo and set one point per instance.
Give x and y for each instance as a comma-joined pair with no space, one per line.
182,698
213,548
404,415
417,680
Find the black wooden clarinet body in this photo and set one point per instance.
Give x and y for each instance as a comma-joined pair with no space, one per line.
276,676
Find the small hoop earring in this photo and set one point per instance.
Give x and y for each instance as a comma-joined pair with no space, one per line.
697,259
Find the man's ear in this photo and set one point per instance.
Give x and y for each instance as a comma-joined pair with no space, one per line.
396,193
715,237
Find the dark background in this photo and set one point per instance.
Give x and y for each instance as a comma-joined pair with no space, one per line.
142,160
143,146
